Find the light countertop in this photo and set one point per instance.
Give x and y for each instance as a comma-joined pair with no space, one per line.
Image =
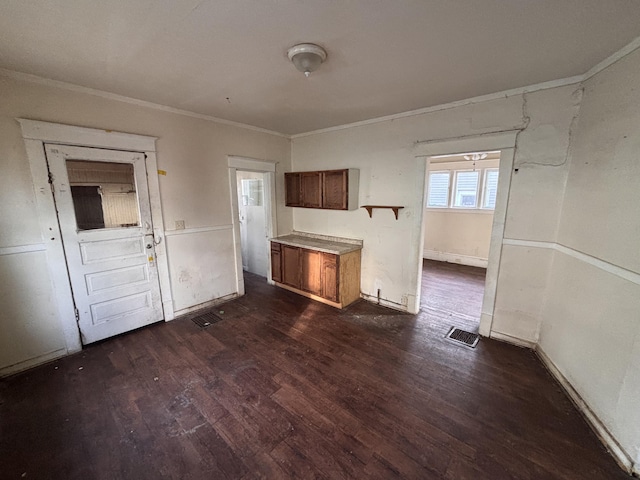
321,243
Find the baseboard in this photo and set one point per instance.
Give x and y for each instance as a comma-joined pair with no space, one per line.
518,342
455,258
210,303
385,303
610,443
32,362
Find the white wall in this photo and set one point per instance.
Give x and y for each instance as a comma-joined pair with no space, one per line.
192,151
458,235
591,328
391,174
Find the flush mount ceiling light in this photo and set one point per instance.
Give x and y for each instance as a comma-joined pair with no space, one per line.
475,156
307,57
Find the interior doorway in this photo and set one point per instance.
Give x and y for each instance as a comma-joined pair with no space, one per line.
252,254
252,220
461,195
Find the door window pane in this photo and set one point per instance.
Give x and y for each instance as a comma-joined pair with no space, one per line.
466,190
252,192
104,194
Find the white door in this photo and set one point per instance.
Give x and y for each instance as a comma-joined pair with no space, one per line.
103,208
253,232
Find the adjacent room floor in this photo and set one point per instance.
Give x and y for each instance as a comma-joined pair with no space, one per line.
452,294
284,387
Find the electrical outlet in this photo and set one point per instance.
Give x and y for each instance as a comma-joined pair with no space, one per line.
405,300
179,224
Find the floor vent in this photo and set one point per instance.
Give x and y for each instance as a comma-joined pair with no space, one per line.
463,337
206,319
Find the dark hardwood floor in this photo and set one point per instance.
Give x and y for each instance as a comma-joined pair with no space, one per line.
285,387
452,294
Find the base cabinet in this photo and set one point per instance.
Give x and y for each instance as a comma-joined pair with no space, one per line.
329,278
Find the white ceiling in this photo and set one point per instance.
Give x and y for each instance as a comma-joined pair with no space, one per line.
385,56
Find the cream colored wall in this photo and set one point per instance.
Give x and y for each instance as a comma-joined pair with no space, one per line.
458,235
391,174
192,151
591,328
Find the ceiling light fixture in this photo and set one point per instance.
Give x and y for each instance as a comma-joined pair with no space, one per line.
307,57
475,157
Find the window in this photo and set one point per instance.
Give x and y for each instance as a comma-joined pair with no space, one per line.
490,188
252,192
438,189
465,193
103,194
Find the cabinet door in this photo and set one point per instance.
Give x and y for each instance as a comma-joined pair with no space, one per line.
310,271
311,189
276,262
293,195
291,266
335,189
330,277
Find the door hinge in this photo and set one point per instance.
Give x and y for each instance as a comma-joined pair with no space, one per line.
77,314
50,180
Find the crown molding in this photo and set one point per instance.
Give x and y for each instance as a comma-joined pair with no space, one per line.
611,59
28,77
615,57
447,106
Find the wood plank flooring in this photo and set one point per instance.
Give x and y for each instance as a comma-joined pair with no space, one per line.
452,294
285,387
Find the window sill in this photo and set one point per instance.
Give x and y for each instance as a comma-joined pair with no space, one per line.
482,211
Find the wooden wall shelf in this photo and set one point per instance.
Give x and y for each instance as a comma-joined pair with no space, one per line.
370,208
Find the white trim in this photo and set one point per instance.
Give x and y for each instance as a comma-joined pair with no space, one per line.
27,77
32,362
208,304
250,164
47,132
623,52
447,106
385,303
268,170
187,231
36,247
50,232
501,139
158,230
601,264
610,60
455,258
592,419
504,141
518,342
35,135
586,258
528,243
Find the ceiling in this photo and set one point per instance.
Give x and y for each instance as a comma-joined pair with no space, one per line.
227,58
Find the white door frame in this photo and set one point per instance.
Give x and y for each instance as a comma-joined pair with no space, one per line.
267,168
506,143
35,135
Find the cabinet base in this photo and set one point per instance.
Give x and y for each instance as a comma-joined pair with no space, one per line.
314,297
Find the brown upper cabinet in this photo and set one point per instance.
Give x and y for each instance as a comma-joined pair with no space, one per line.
327,189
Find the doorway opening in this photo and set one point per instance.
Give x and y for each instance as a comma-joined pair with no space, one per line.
252,220
460,200
252,186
